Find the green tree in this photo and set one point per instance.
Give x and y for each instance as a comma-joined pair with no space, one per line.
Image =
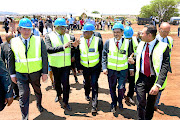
95,12
164,9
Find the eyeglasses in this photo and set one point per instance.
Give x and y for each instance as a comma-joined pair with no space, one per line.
164,31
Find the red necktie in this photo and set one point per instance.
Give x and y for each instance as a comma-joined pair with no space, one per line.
88,42
117,44
146,62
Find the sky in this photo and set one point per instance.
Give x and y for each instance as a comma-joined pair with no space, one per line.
73,6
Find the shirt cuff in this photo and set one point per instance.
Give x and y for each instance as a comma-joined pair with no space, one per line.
13,75
131,69
158,85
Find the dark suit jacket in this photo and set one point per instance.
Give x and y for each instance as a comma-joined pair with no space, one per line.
77,54
105,54
60,48
5,81
4,51
33,76
164,67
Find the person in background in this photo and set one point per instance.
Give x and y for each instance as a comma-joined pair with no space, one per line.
18,32
81,23
35,31
35,21
164,30
41,25
6,25
1,40
71,23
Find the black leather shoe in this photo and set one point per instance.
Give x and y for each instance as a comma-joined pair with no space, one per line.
94,110
113,108
76,79
129,101
58,98
40,108
87,98
67,107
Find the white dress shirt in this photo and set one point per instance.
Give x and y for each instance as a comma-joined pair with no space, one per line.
151,45
161,38
119,44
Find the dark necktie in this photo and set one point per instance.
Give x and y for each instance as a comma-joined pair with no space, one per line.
26,47
146,62
117,44
88,42
163,40
61,39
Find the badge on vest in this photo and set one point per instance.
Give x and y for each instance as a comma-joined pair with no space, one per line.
91,50
122,51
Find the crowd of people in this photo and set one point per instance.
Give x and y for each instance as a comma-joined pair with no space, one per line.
122,58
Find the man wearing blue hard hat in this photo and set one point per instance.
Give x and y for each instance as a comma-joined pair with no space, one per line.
58,45
27,63
88,58
115,64
133,43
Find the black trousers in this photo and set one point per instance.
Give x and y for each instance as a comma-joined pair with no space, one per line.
145,107
24,92
15,88
91,77
131,80
61,77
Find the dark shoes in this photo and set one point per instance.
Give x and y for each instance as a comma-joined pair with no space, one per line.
94,110
16,97
129,101
67,107
58,98
40,108
113,109
121,107
87,98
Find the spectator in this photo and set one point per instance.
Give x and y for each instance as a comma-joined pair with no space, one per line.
71,22
6,25
18,32
1,40
35,31
41,25
35,21
12,25
81,23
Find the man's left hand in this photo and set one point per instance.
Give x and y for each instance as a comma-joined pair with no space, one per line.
44,77
9,101
154,90
76,43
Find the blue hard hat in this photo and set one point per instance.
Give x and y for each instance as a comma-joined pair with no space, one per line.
60,22
128,32
88,27
25,23
118,25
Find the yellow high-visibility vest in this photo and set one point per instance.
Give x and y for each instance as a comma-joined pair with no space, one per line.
33,62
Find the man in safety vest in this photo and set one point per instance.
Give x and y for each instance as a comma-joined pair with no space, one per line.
27,62
58,46
88,56
152,65
163,37
115,64
133,43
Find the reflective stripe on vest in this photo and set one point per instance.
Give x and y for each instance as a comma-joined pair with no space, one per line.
59,59
118,59
157,57
89,57
33,62
135,44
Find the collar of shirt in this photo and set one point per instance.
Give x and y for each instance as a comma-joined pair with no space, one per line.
25,39
90,39
161,38
151,45
120,42
59,35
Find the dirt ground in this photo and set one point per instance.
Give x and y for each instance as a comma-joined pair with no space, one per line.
81,109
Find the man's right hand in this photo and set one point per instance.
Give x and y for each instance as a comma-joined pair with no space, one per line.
105,71
67,44
14,79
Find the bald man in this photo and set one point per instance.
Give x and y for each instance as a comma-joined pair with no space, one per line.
164,31
4,55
